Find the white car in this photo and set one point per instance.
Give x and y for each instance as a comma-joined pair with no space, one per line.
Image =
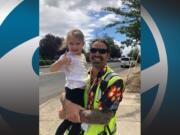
127,62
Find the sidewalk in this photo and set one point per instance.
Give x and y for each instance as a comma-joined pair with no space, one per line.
128,122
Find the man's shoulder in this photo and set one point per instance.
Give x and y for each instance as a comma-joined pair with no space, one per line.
113,78
111,75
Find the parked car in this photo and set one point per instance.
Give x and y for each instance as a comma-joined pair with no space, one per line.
127,62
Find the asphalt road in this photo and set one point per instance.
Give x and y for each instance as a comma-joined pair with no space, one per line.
51,84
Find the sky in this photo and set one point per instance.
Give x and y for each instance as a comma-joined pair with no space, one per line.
60,16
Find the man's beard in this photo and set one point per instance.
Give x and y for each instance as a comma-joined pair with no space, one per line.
98,63
98,57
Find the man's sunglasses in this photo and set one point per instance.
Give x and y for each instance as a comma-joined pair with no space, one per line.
100,50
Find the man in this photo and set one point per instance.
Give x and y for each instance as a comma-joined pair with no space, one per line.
102,97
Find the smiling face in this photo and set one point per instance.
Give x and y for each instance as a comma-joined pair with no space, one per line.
75,45
99,54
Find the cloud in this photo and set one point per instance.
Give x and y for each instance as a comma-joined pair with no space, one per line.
59,21
59,16
95,5
117,42
126,51
53,3
109,18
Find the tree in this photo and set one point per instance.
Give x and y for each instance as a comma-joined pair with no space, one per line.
114,49
135,54
128,42
130,23
49,46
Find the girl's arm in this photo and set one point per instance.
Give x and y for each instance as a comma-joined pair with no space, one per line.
57,65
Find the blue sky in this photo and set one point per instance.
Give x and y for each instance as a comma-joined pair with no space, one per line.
60,16
111,31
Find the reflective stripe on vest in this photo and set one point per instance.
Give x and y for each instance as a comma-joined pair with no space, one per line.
96,129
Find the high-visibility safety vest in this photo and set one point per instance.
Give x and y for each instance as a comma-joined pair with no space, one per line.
97,129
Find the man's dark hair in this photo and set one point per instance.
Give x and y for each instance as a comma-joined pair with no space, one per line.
102,41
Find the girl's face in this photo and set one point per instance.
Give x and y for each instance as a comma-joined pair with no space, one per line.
75,45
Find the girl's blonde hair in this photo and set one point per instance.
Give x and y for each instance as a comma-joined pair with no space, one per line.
73,33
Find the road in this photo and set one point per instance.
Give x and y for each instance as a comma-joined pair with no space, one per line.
51,84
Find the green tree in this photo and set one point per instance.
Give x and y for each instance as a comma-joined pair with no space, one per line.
49,46
130,23
114,49
135,54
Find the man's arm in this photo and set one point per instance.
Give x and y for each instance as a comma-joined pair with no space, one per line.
95,116
62,97
109,105
69,110
87,116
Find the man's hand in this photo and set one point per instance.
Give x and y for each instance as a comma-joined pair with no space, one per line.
62,113
73,117
70,111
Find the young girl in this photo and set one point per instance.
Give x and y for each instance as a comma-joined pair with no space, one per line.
74,65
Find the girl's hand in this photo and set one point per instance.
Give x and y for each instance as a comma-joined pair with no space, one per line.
65,60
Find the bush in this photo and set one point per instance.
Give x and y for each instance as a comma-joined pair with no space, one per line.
43,62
